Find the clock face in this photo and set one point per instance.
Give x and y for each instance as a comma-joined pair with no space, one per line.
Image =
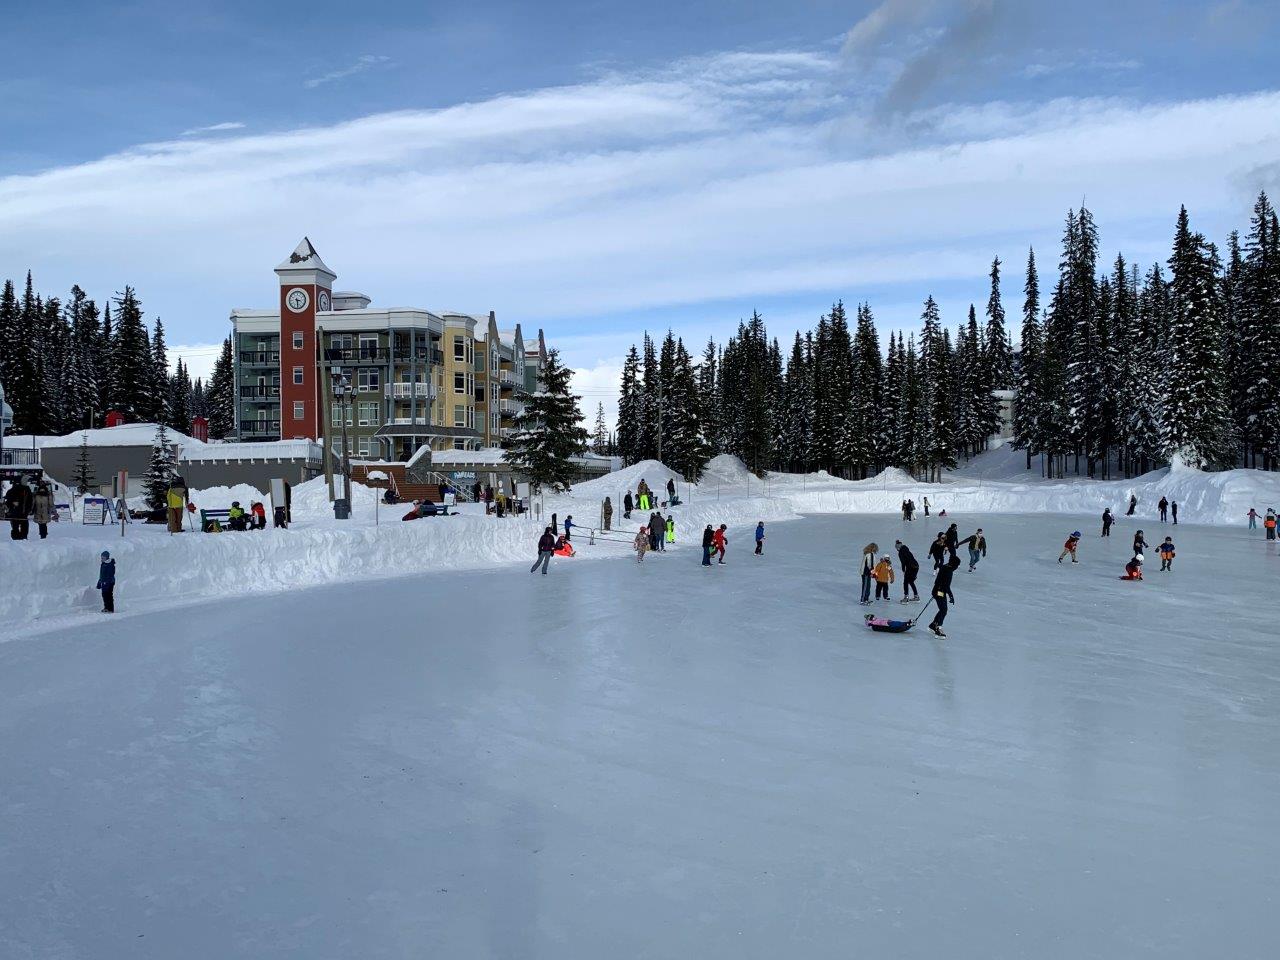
297,299
324,299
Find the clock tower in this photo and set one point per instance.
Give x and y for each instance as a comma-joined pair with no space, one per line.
306,287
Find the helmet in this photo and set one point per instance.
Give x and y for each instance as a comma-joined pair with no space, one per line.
1138,557
106,555
1076,533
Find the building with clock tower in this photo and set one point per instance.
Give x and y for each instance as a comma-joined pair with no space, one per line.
306,288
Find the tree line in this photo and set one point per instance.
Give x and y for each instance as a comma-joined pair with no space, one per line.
64,365
1119,371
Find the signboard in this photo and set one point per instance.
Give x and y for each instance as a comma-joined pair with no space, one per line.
463,475
122,483
94,510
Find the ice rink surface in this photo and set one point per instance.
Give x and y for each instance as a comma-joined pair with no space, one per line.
659,760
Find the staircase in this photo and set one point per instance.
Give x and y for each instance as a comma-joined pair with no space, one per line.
396,479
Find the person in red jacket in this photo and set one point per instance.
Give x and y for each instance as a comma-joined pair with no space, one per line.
719,542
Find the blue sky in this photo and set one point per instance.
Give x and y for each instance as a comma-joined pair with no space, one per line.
600,168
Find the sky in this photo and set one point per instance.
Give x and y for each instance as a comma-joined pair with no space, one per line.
601,169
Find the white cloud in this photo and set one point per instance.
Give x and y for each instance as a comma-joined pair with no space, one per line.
731,178
366,62
213,128
199,358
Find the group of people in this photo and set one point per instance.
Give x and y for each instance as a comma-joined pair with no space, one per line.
878,571
22,504
654,535
1132,569
909,508
1268,522
495,501
643,500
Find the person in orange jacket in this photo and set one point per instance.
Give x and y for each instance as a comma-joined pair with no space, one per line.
883,574
719,542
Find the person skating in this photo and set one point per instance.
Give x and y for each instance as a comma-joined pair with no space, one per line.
1069,547
175,499
18,503
910,570
911,509
1107,521
1253,519
42,508
977,545
941,593
1133,569
641,543
1167,553
867,571
905,514
1163,506
107,582
953,540
607,512
1270,524
654,525
883,574
627,505
1133,504
926,506
568,526
759,538
938,550
546,547
671,528
1173,509
720,541
1140,544
708,541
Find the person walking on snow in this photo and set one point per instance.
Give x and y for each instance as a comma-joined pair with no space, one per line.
18,503
662,532
1167,553
720,541
953,540
1133,504
671,528
883,574
1164,510
977,548
607,512
1173,507
1107,520
910,570
868,568
655,522
641,543
627,505
107,582
42,509
1140,543
546,547
937,550
941,593
708,541
1253,519
1069,547
759,538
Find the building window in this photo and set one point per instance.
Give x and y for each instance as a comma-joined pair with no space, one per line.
459,415
459,383
340,341
368,381
368,346
368,413
459,348
335,414
362,448
299,410
297,339
297,376
480,393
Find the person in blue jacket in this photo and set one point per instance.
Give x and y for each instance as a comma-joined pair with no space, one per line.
107,582
568,527
759,538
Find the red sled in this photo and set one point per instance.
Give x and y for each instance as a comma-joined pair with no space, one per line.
1127,577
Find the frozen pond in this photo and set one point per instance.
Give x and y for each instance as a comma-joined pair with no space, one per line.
659,760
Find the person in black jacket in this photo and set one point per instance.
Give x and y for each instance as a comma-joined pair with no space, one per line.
1164,509
953,540
1107,520
942,593
708,538
627,505
910,570
18,502
1140,543
107,582
937,550
1133,504
546,547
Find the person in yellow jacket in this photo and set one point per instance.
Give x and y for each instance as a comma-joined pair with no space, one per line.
883,574
176,500
671,529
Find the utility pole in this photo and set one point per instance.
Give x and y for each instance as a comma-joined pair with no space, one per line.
346,460
659,418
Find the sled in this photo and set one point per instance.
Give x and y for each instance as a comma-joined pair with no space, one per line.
884,625
1127,577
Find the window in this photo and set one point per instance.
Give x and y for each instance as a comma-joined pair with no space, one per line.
297,339
368,413
459,415
480,393
335,414
340,341
299,410
368,346
362,447
297,376
368,381
493,421
459,348
459,383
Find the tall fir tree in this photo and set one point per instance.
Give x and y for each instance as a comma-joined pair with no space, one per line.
1027,403
549,431
220,397
630,409
133,360
162,469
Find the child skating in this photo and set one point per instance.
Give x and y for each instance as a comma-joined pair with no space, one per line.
641,543
883,574
1133,569
1167,553
1069,547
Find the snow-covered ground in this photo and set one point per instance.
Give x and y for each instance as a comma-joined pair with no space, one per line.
662,760
53,581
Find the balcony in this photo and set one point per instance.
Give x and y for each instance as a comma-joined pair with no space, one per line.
420,355
260,429
261,358
357,355
268,392
409,421
19,457
406,390
508,408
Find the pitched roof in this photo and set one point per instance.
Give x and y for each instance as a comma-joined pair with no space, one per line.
304,256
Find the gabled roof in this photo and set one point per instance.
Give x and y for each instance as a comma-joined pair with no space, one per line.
304,257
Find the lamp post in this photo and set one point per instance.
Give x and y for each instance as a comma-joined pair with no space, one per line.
344,387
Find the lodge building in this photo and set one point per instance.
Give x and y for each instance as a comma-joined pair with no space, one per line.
419,378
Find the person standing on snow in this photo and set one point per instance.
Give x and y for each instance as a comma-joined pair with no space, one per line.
1140,543
607,513
720,541
977,548
1164,510
655,523
883,574
671,528
18,503
568,526
671,490
910,570
546,547
1069,547
953,540
641,543
627,505
1253,519
42,508
1270,524
1133,504
941,593
1174,509
176,501
926,506
1166,551
937,550
1107,520
759,538
107,582
708,541
868,569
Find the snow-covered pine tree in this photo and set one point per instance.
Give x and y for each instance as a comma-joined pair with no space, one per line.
220,395
23,387
893,451
179,398
630,407
600,434
1105,431
1235,321
999,352
162,469
84,478
1144,413
9,331
799,415
1197,423
935,373
709,398
84,334
158,409
53,346
104,358
917,429
1027,401
836,373
1262,332
689,451
549,431
973,396
868,413
134,364
649,405
777,406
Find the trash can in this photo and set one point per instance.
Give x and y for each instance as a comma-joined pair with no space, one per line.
341,509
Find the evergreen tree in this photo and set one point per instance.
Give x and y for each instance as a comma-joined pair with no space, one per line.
23,383
630,409
937,440
999,353
104,354
650,402
134,365
895,451
1261,332
162,469
158,409
795,449
549,432
84,478
709,398
1145,408
1027,404
600,435
866,426
178,403
220,397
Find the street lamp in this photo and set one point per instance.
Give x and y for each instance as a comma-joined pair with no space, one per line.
342,388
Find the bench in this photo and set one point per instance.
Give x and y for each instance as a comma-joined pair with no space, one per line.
442,510
224,519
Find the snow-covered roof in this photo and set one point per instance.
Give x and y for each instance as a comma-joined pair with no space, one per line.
125,435
304,257
266,450
483,455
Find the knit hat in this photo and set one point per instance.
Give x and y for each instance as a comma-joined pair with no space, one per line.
105,555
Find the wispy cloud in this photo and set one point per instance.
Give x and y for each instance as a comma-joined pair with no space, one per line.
213,128
1050,62
366,62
